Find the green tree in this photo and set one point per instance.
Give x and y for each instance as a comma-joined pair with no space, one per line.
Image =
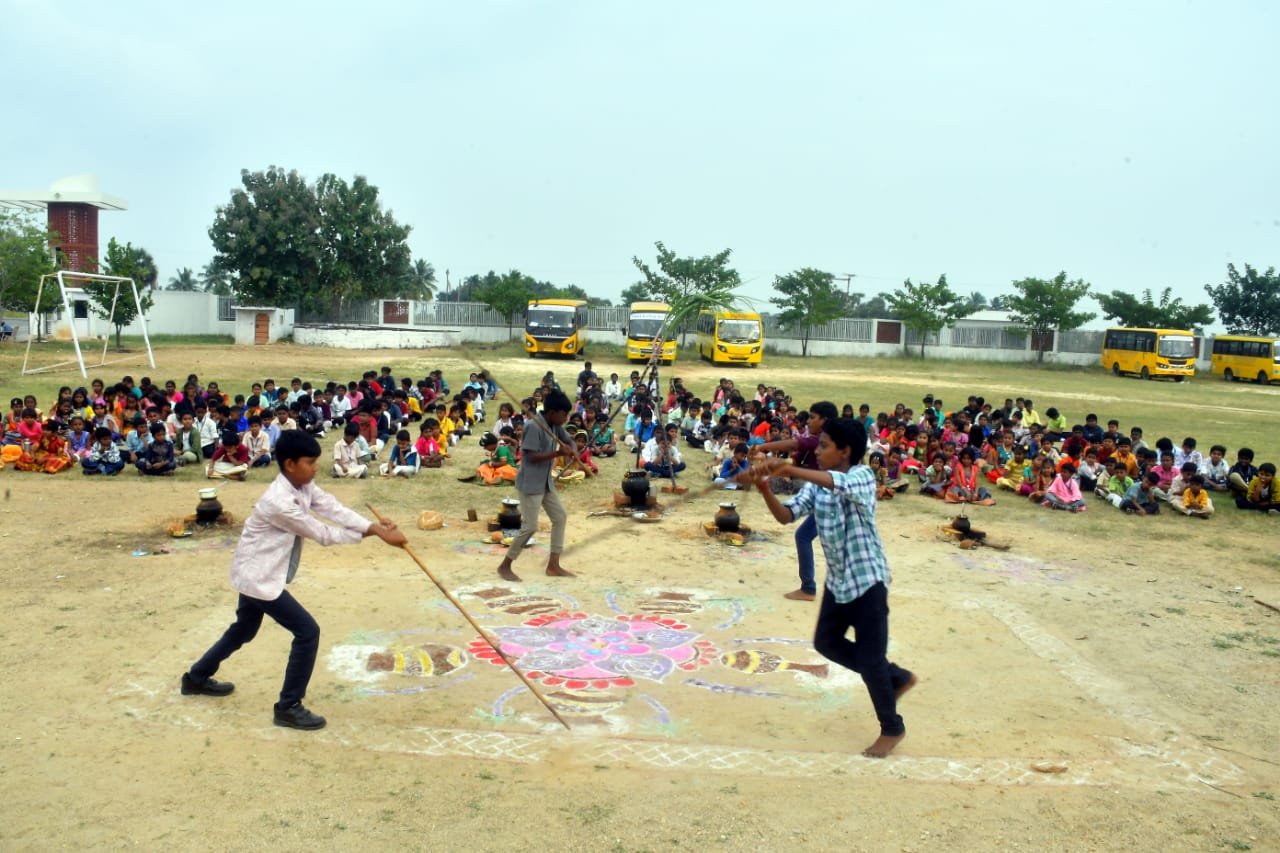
874,308
420,281
283,242
184,280
24,257
127,261
1248,304
679,278
926,308
1169,313
364,251
1041,306
508,294
808,298
976,302
214,280
638,292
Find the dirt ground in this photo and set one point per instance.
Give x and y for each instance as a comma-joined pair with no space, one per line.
1095,686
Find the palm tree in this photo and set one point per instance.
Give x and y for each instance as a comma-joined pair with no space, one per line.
185,279
421,280
214,280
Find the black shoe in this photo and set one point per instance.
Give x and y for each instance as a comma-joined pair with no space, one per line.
209,687
298,717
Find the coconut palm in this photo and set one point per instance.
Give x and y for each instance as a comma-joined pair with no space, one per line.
185,279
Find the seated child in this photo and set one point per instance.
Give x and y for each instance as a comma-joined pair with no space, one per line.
1194,500
1089,471
583,442
1044,477
935,479
351,454
1180,482
1117,482
258,443
428,444
1141,498
1241,473
104,456
1261,494
186,441
1215,470
966,485
897,471
1064,492
403,461
732,467
499,463
79,441
48,454
660,456
602,440
231,460
158,460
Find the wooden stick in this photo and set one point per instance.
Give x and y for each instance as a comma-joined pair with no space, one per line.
1266,605
481,631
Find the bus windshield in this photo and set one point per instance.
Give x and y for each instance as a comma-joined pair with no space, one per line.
550,319
739,331
1177,346
643,327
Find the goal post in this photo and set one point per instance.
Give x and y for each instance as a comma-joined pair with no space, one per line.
61,277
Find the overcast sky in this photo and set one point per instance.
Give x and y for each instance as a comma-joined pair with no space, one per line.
1131,144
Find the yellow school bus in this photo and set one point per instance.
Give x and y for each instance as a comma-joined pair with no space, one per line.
1245,357
1150,353
731,337
644,321
555,327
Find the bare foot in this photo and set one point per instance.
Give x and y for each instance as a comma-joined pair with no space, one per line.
883,746
800,595
505,572
911,682
557,572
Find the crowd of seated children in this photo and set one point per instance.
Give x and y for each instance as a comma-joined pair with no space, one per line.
1012,447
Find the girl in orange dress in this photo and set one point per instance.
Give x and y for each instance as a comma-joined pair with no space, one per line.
49,454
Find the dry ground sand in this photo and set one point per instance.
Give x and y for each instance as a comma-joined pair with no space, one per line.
1136,658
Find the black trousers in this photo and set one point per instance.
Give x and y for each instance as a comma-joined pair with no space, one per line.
868,616
291,616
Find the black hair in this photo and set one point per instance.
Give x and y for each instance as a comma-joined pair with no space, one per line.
846,433
101,433
294,444
1242,453
1187,466
826,410
1198,479
157,427
352,428
1267,468
403,435
1051,412
1189,441
556,401
1220,448
1067,468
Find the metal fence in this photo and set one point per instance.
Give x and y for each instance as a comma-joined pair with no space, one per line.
1080,341
985,337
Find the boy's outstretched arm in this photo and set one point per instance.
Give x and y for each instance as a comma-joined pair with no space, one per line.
388,532
759,475
774,467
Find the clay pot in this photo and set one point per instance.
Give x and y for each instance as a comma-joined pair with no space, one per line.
209,508
727,519
509,516
635,485
960,523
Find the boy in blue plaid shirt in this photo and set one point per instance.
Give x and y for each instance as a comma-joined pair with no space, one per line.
841,495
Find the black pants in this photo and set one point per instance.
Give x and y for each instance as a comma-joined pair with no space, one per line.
291,616
868,616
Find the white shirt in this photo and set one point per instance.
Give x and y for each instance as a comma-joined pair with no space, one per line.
283,513
651,451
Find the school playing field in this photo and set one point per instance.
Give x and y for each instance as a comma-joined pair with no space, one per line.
1107,682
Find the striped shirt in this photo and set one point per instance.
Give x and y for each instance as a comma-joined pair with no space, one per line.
846,517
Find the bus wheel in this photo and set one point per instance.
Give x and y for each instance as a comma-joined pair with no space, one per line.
1262,377
1146,374
1228,375
1179,378
1115,369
